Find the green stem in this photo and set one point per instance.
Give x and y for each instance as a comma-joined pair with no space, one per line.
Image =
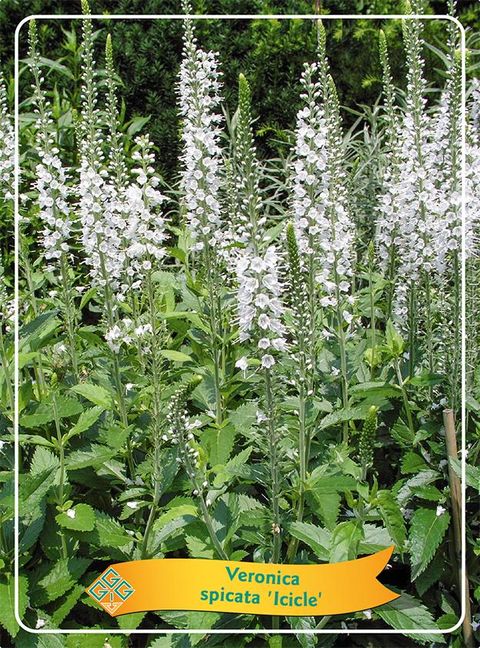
406,404
411,329
209,524
272,439
216,353
108,300
372,319
69,315
6,371
156,381
61,479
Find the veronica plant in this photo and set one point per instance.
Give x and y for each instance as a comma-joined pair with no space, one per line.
199,89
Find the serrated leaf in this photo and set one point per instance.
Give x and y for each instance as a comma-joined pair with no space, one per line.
79,518
93,456
412,463
345,541
86,420
393,518
305,639
43,460
427,530
67,604
406,613
219,443
235,467
132,620
175,356
327,508
316,538
349,414
162,532
96,394
58,579
431,574
45,412
7,594
107,532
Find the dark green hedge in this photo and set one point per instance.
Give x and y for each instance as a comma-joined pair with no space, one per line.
270,53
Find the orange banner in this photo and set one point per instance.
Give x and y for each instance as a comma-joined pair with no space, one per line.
243,587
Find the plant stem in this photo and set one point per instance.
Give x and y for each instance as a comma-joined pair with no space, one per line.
372,318
411,329
406,404
61,485
108,300
207,518
6,371
272,439
156,384
69,314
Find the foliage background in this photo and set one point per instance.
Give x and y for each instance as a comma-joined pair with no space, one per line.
269,54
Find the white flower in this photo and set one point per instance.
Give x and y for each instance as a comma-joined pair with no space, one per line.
242,363
322,223
268,361
367,614
440,510
40,623
261,417
199,100
71,513
7,146
259,298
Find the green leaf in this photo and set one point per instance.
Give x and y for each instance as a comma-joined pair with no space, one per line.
431,574
45,413
93,456
345,541
7,594
96,394
406,613
67,604
350,414
316,538
427,530
426,380
412,463
321,484
218,443
304,623
86,420
163,530
394,341
175,356
107,533
87,296
133,620
244,417
376,388
328,507
235,467
393,518
79,518
52,581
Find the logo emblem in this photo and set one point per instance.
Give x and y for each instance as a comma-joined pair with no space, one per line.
110,590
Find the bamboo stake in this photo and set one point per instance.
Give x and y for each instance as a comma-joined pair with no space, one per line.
456,501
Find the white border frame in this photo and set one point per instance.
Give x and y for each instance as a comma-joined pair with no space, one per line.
262,631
